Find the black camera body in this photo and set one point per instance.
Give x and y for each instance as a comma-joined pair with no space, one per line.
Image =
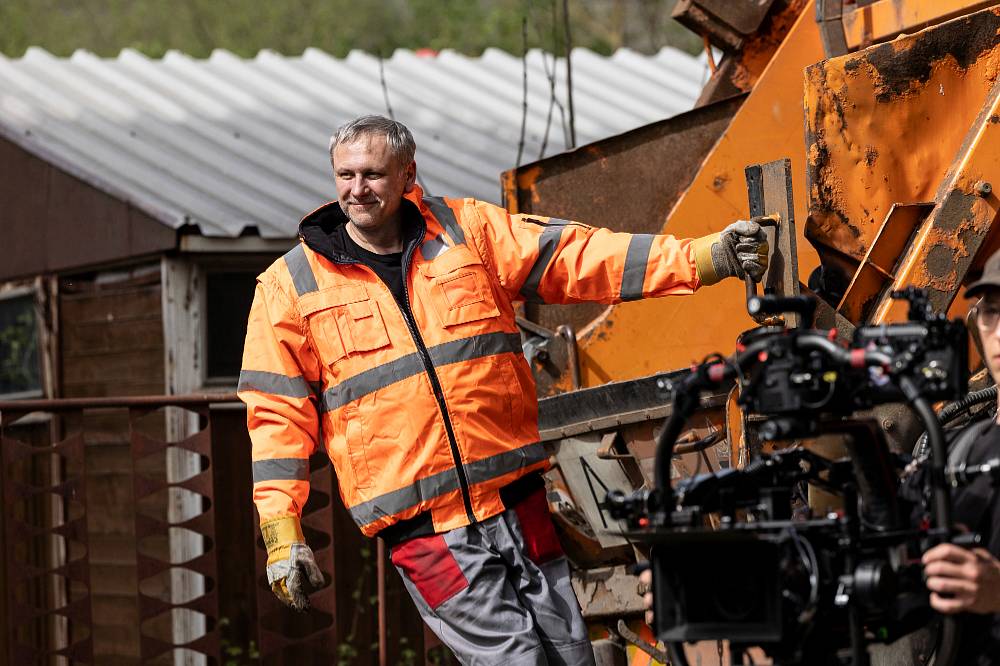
807,589
809,384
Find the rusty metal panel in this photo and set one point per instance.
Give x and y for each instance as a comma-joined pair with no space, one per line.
739,71
47,585
726,24
890,125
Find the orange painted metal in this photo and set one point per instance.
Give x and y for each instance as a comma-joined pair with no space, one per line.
877,270
643,337
958,229
883,128
904,122
886,19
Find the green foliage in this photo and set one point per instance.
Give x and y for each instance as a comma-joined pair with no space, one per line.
245,27
234,653
347,651
19,347
438,655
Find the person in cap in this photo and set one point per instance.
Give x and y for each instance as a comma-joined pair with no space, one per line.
960,580
967,580
387,339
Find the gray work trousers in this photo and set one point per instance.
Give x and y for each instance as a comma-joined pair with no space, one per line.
498,591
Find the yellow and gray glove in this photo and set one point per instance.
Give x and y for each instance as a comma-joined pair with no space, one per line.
737,251
289,561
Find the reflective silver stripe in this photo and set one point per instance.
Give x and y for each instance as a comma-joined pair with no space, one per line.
477,346
446,216
370,381
402,499
548,242
301,271
281,469
407,366
636,260
275,384
506,462
432,249
428,488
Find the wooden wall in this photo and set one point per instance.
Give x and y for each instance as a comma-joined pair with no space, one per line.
54,221
111,344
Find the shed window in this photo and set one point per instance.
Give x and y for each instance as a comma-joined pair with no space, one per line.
229,296
19,369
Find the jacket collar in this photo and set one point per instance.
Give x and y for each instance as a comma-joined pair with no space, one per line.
317,228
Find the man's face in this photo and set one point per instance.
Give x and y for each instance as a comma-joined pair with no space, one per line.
370,182
988,321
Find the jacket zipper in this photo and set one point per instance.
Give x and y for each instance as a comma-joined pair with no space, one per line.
425,357
463,479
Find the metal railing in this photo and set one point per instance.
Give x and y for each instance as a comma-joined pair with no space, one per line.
48,593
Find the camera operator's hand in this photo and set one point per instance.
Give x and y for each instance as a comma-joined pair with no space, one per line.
962,580
646,585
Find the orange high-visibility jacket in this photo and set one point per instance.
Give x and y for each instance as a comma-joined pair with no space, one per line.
433,411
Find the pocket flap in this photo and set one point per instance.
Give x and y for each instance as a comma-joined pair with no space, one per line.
331,297
450,260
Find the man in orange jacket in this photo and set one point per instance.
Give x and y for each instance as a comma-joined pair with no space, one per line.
387,336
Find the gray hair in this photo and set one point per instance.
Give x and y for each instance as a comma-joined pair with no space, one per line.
396,134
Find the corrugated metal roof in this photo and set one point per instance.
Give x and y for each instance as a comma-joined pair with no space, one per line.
227,143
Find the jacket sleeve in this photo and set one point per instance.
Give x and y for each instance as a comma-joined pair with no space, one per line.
547,260
277,383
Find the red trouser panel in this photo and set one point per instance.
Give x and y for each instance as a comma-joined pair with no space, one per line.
540,541
431,568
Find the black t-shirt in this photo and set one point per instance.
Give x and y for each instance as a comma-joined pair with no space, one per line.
977,506
388,267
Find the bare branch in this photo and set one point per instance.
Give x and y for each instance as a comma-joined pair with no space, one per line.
524,87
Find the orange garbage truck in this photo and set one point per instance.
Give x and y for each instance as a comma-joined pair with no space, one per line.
870,129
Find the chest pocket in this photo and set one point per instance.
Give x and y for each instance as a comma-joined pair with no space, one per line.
460,287
343,320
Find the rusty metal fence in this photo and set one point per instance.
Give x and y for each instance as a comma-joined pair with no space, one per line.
206,599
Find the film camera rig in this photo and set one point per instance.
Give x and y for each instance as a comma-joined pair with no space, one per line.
806,590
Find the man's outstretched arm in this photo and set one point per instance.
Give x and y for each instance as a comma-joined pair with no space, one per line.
548,260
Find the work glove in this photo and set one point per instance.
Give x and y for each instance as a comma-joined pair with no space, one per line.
289,561
737,251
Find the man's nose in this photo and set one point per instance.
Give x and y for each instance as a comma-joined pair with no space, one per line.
358,186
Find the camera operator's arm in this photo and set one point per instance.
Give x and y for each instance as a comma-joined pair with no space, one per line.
969,578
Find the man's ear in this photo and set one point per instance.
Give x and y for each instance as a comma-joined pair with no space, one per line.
411,176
